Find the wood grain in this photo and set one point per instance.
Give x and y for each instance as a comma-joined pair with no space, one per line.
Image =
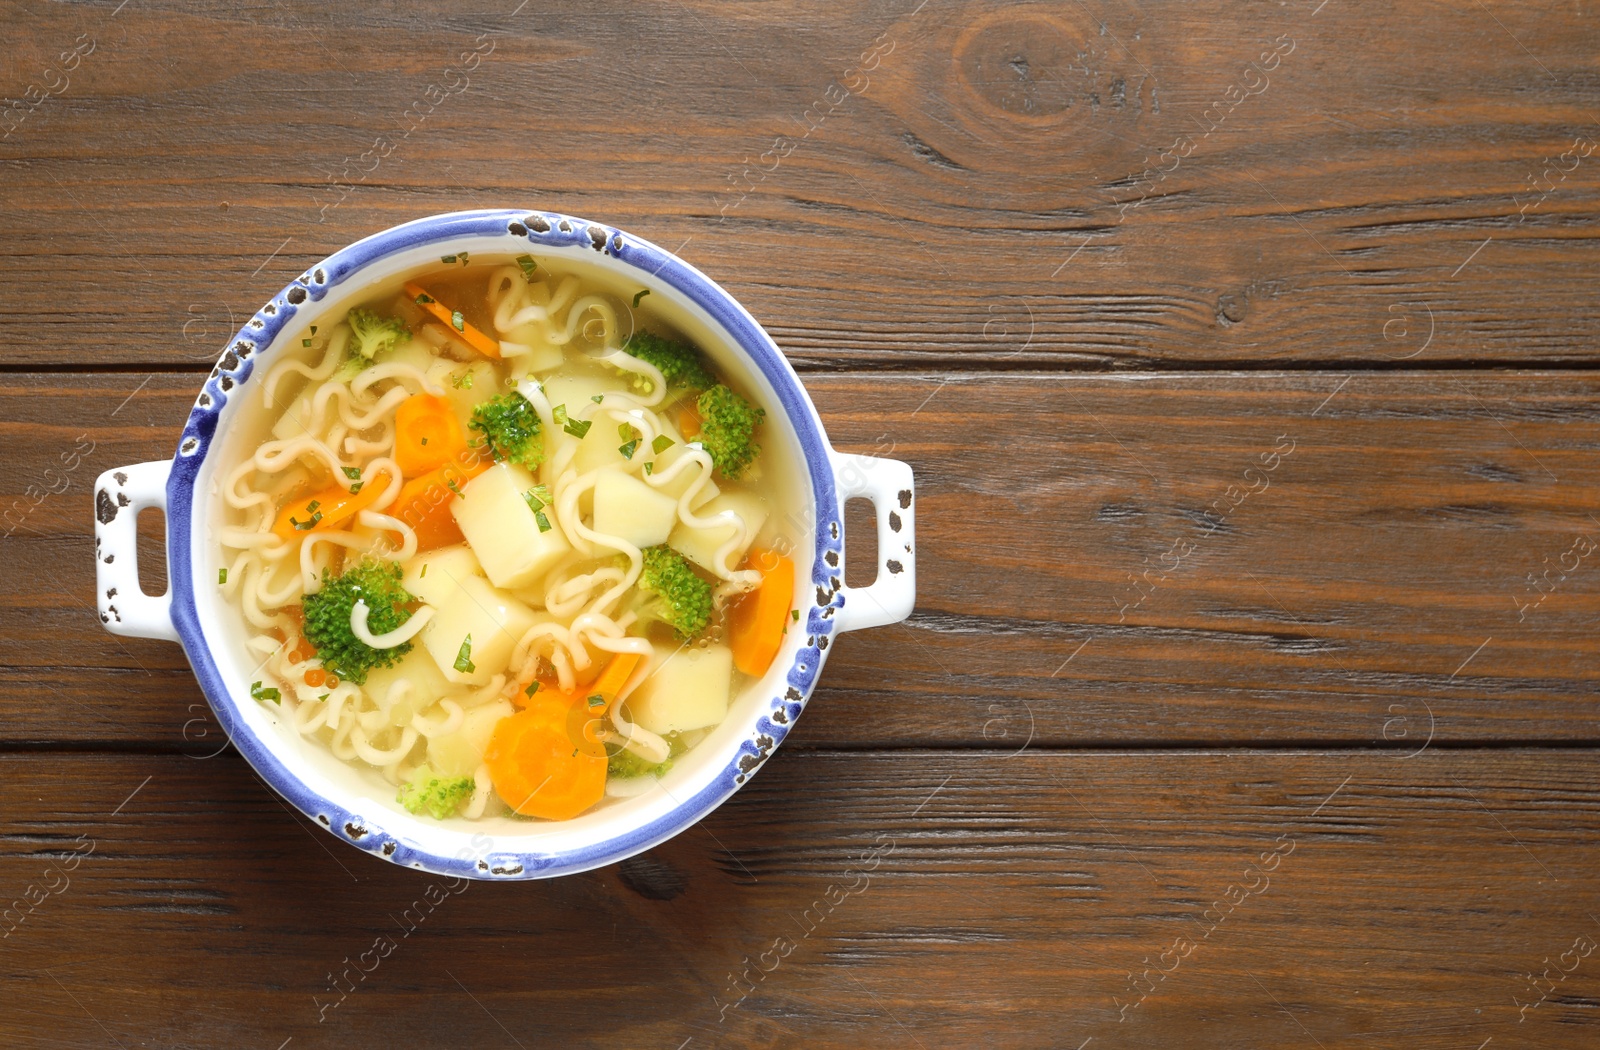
1007,917
995,177
1373,588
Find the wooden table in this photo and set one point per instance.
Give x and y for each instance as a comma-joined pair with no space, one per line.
1244,353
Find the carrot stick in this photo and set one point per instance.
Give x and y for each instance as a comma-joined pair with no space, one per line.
472,336
332,506
756,623
613,678
427,434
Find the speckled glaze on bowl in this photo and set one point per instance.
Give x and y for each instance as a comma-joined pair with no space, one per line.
340,797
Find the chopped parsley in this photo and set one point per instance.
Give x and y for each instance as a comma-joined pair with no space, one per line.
533,687
308,525
661,444
534,503
353,473
596,700
305,342
461,380
543,522
222,577
453,486
627,448
598,398
650,468
528,266
642,293
559,414
464,662
313,329
795,613
269,693
447,259
578,427
457,322
424,571
424,299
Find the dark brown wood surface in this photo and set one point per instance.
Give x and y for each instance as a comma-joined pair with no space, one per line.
1254,467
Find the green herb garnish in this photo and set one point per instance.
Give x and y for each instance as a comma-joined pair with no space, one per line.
534,503
528,266
269,693
447,259
353,473
306,526
464,662
596,700
578,427
642,293
661,444
461,380
222,577
453,485
627,448
543,522
796,614
559,414
650,468
457,321
598,398
305,342
424,299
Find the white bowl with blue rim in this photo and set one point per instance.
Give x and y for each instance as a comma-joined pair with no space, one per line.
355,804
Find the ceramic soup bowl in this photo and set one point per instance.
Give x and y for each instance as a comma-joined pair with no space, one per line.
355,803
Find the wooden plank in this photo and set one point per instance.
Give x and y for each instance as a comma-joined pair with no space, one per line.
1381,585
1404,904
1007,186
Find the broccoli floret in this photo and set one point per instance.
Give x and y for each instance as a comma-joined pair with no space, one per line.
425,791
678,363
510,429
373,335
627,764
728,424
677,597
327,615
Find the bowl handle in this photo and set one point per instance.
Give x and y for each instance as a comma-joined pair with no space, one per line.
119,496
888,484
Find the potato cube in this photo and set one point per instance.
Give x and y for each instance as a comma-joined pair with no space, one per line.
501,528
427,685
629,509
686,477
688,690
459,754
435,576
493,619
701,545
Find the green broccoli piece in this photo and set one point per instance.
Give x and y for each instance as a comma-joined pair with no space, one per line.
679,363
510,429
374,335
327,616
627,764
677,597
425,791
727,426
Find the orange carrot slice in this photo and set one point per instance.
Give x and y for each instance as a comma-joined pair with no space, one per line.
427,434
540,767
424,501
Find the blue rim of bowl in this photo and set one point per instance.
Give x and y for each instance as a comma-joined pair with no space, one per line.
518,228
